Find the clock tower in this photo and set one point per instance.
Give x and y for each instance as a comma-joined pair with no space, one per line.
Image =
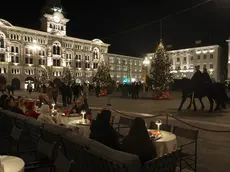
54,23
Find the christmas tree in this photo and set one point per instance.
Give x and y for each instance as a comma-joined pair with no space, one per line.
102,77
160,69
43,78
67,76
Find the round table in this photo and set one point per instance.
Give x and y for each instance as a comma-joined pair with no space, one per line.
83,126
12,164
166,143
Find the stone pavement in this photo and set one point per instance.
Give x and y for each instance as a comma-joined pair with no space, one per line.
213,147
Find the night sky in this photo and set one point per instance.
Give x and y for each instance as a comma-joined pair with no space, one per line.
106,20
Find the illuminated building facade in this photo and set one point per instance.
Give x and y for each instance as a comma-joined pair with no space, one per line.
24,53
184,61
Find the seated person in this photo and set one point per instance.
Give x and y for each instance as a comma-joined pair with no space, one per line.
103,132
8,103
138,141
18,107
78,107
45,115
30,110
42,100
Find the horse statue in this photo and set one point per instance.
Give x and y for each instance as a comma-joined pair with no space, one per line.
213,91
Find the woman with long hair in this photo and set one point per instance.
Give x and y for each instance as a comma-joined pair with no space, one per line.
138,141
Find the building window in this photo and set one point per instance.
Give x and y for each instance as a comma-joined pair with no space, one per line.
56,49
211,56
211,66
1,41
17,59
95,65
191,58
56,62
78,64
178,60
204,66
87,65
78,57
86,58
205,57
2,57
185,60
198,57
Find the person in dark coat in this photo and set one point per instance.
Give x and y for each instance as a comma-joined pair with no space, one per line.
103,132
206,77
17,107
138,141
78,107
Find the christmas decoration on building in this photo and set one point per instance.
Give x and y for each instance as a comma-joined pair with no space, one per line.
160,73
67,76
102,77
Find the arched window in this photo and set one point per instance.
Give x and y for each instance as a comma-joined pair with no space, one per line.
12,49
57,49
1,41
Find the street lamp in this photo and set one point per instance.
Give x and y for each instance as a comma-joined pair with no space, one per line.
35,48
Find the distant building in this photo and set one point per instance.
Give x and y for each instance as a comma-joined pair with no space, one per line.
24,53
184,61
123,67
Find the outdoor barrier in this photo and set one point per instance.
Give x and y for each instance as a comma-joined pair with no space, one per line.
166,115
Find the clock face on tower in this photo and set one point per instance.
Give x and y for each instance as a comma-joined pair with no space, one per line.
56,19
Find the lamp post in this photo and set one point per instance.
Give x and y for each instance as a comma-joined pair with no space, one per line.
35,48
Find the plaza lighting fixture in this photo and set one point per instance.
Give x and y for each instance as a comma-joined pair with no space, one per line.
158,123
83,112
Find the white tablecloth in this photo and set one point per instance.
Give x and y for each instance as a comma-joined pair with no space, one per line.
12,164
73,123
167,143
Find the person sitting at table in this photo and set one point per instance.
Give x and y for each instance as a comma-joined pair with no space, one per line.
42,100
8,103
45,115
30,110
103,132
78,107
138,141
18,107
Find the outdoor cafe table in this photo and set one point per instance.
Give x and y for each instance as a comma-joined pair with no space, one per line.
12,164
75,123
165,144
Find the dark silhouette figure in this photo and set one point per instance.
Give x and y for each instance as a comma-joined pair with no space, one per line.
103,132
138,141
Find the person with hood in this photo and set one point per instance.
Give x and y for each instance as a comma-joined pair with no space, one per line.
103,132
45,115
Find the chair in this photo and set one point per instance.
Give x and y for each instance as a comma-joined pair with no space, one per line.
44,155
166,163
16,136
74,147
163,127
34,132
51,133
124,122
187,159
61,164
